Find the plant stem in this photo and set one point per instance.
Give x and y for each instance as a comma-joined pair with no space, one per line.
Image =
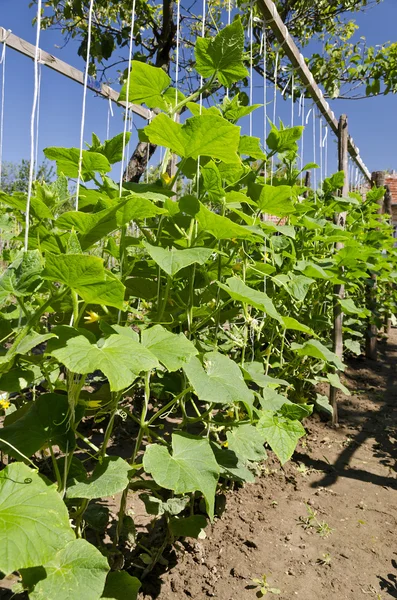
165,299
56,468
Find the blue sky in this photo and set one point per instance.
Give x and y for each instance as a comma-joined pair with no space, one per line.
372,122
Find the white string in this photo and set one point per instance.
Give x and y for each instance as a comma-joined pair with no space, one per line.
264,94
314,151
292,99
83,111
229,20
110,113
36,161
302,115
3,84
325,146
274,108
148,151
251,94
178,18
201,100
127,102
32,124
320,134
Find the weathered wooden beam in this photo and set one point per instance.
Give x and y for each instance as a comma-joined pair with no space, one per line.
24,47
273,19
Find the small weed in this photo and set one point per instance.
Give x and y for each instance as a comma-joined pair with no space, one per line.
311,522
264,587
325,560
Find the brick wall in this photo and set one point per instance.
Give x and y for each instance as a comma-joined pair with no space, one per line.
391,181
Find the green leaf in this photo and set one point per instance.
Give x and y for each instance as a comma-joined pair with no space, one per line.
222,55
192,467
67,160
281,434
109,477
212,181
147,86
221,227
34,519
352,345
296,285
231,466
243,293
251,146
74,269
276,201
335,381
296,412
191,526
155,506
113,149
256,373
47,422
22,277
312,270
121,586
171,349
206,135
77,571
247,443
87,276
172,260
119,357
348,307
221,382
316,349
291,323
284,140
272,400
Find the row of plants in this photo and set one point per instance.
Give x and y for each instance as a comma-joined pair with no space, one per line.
191,320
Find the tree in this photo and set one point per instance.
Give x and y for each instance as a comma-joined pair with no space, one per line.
346,68
15,176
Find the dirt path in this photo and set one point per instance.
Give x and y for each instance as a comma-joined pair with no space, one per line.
322,528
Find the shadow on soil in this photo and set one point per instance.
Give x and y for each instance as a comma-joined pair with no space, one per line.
379,423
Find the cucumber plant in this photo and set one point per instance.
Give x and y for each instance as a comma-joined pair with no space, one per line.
190,317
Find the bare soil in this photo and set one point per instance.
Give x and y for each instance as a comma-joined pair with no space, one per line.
346,476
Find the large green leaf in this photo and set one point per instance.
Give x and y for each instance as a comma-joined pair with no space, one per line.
109,477
276,201
147,86
173,260
247,442
87,276
284,140
173,350
251,146
291,323
119,357
316,349
113,148
77,571
121,586
221,382
221,227
206,135
212,181
241,292
67,160
281,434
47,422
232,466
22,277
222,55
34,520
191,467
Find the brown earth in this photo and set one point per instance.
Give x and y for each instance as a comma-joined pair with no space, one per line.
323,527
347,476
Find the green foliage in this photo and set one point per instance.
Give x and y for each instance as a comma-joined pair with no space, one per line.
191,319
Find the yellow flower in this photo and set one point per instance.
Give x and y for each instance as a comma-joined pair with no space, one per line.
91,317
4,404
166,178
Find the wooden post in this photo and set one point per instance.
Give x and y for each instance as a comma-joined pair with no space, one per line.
371,340
339,289
308,183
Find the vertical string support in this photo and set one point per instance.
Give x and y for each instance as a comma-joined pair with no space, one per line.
32,124
83,111
127,103
302,115
274,106
251,89
264,41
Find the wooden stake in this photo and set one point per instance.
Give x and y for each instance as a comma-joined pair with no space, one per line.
339,289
